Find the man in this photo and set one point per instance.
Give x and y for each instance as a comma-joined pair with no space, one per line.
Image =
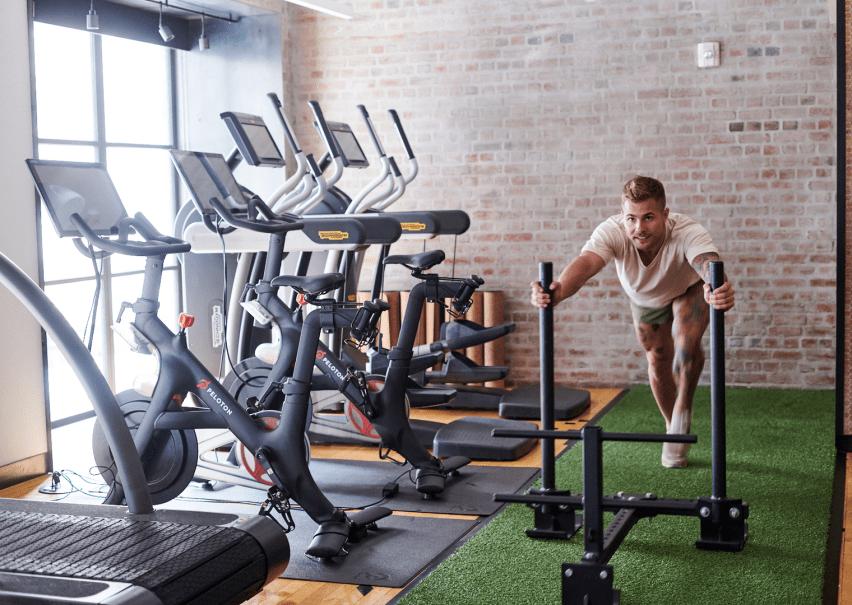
662,260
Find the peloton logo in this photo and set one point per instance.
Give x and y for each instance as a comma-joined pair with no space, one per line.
327,363
205,384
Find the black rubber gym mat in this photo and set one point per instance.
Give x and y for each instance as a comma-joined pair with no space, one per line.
469,493
355,484
391,556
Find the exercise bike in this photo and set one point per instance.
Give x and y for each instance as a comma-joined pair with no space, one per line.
164,424
374,404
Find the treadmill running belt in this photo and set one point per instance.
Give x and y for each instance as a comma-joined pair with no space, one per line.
176,563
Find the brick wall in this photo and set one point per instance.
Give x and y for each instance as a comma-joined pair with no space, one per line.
531,116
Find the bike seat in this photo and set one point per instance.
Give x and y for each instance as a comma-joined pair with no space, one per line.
420,262
310,284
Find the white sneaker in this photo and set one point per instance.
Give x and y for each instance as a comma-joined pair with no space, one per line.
674,454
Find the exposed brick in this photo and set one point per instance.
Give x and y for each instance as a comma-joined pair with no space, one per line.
533,129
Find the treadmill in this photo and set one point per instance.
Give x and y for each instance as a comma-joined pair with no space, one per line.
61,554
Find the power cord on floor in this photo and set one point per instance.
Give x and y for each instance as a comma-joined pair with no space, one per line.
98,489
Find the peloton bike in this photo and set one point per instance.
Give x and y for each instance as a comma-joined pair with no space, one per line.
456,368
252,372
467,437
54,552
87,205
374,403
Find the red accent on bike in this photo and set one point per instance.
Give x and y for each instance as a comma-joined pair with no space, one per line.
186,321
360,422
301,300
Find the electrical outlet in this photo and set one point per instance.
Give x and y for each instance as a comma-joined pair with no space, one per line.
707,54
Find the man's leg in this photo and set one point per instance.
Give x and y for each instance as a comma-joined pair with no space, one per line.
654,331
692,314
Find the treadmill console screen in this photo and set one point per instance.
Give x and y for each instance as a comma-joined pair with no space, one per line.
78,187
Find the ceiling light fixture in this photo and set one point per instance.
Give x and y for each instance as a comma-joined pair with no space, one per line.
203,41
92,18
329,7
165,30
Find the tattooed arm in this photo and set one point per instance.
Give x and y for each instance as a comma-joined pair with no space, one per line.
723,296
572,278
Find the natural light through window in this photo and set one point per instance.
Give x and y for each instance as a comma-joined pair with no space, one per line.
108,100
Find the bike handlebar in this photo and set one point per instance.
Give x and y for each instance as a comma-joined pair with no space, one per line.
271,222
154,244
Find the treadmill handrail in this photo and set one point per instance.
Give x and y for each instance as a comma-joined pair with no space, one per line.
103,401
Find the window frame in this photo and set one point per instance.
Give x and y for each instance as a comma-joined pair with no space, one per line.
101,147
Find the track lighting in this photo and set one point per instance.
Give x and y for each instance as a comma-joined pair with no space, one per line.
165,30
203,41
92,18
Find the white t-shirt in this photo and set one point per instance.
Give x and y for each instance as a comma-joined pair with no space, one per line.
669,275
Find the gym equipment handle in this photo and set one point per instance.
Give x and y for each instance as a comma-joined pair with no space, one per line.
155,244
717,388
273,223
401,132
372,130
294,145
394,167
545,327
323,126
312,165
578,435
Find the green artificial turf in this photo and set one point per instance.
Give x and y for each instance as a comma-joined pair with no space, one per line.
780,460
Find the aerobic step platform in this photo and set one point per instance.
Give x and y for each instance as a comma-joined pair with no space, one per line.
525,402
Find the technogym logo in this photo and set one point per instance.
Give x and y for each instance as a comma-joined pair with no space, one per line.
334,236
412,226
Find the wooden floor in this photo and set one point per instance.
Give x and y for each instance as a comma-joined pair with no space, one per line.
844,589
298,592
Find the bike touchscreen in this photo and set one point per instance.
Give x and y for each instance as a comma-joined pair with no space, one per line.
196,170
79,188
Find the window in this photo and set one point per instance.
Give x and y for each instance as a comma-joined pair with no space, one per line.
109,100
